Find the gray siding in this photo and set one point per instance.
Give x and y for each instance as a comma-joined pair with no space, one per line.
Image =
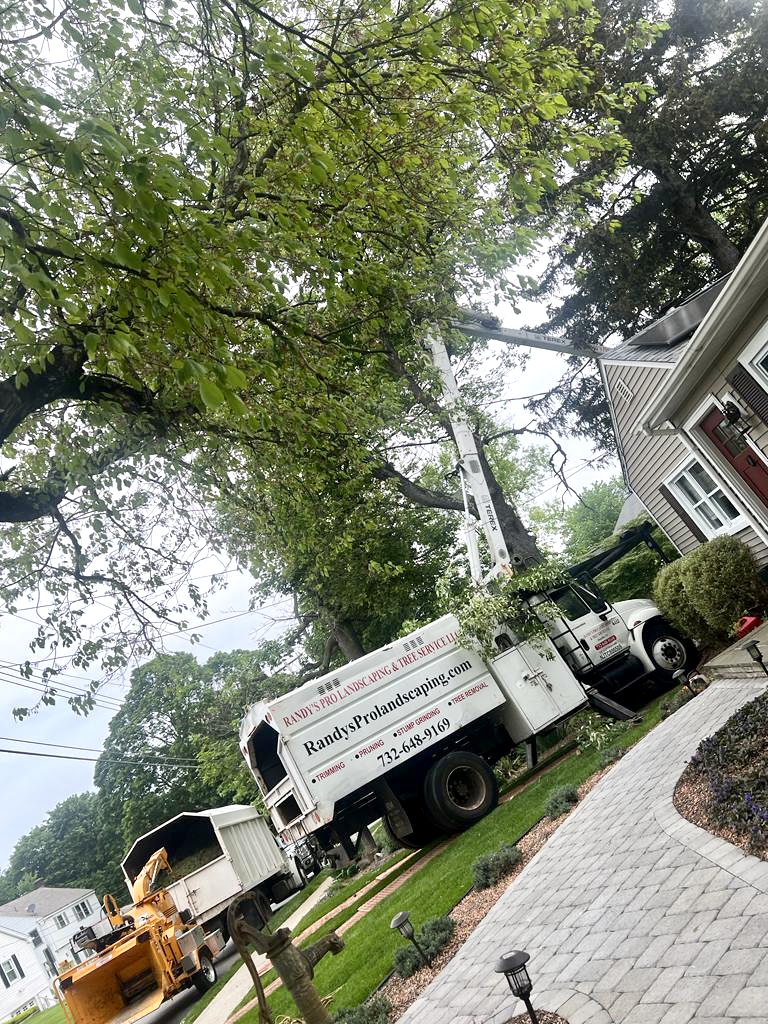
649,460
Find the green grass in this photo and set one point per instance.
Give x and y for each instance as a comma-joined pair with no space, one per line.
296,900
438,887
54,1015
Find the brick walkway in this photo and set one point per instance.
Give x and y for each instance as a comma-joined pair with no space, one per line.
631,914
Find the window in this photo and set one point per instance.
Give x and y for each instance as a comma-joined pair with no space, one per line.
61,920
10,971
82,910
35,936
577,601
701,496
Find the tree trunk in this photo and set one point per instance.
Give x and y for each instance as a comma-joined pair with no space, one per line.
520,543
695,221
347,639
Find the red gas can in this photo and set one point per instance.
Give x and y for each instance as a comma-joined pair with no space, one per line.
746,624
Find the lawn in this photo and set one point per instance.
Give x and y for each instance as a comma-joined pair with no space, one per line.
54,1015
370,944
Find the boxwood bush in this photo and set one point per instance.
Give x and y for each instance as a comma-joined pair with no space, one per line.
705,592
734,761
675,605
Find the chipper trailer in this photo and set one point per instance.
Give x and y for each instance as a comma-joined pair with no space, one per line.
143,956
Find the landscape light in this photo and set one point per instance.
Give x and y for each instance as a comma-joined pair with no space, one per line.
512,966
753,650
402,923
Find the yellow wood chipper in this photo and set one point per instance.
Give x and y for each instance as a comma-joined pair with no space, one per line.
143,956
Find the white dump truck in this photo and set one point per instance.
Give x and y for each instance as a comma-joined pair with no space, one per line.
409,732
214,855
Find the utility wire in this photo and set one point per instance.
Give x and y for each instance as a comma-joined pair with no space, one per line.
46,689
159,758
92,760
105,700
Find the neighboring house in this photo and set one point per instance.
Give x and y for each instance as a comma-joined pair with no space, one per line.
690,410
35,934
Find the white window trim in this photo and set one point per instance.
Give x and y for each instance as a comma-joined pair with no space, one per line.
701,448
753,351
9,966
731,527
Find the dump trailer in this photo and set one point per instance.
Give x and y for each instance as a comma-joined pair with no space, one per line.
215,855
143,956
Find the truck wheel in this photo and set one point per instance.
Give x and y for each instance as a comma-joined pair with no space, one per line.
460,789
205,978
425,828
667,649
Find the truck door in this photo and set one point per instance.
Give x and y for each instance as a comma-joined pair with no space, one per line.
589,631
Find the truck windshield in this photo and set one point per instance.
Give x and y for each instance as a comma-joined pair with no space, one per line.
576,601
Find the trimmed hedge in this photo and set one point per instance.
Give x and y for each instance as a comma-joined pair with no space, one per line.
705,592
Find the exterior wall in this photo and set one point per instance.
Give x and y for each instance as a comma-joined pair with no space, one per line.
648,460
35,986
714,386
57,939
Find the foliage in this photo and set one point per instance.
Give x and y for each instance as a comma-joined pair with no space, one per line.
503,603
587,523
435,935
734,761
490,868
676,700
610,755
560,801
721,580
17,1018
709,589
671,216
373,1011
224,224
671,596
593,731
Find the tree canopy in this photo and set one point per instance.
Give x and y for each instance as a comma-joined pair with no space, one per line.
215,216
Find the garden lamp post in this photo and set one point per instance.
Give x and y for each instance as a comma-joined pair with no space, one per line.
753,650
512,966
402,923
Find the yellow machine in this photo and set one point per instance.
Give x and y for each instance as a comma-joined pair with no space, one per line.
143,956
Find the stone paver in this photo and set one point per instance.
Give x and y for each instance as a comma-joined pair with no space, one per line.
631,915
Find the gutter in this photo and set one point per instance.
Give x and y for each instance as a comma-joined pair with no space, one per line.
746,287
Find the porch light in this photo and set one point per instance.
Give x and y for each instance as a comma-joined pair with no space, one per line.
512,966
753,650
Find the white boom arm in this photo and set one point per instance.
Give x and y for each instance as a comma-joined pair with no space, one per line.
471,474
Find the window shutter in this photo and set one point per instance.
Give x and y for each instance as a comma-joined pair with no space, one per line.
4,979
686,517
18,965
746,387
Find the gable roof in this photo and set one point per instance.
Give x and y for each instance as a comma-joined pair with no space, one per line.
17,927
42,902
629,352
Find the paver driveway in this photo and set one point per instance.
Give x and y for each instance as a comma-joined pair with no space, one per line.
630,913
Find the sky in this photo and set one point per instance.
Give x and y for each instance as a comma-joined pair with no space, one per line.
31,786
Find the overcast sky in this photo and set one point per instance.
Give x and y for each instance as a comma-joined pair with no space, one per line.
31,786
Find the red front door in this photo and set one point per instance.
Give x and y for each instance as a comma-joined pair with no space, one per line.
736,450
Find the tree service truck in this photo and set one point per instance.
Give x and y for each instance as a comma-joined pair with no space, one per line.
409,732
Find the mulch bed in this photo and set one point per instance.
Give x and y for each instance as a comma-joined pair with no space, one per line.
402,992
693,799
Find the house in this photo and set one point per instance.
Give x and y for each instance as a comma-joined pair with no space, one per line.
35,934
689,401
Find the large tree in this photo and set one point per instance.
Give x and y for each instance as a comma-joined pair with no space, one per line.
679,206
215,215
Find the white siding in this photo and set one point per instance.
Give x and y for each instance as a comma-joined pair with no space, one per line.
34,986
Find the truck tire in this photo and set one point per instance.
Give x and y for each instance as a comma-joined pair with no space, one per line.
668,650
425,828
205,978
460,789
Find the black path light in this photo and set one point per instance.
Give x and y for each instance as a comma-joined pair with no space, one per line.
753,650
402,923
512,966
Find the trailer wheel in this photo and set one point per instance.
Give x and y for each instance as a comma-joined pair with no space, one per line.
205,978
668,650
425,828
460,789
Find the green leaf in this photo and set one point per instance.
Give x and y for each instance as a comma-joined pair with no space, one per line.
211,393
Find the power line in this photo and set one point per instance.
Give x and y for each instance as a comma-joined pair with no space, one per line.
37,688
91,760
105,700
185,762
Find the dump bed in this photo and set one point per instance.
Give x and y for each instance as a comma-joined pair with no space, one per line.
214,855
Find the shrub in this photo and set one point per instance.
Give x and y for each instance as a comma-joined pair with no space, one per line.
560,801
374,1011
610,755
734,761
670,595
491,867
593,731
435,935
675,701
722,582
